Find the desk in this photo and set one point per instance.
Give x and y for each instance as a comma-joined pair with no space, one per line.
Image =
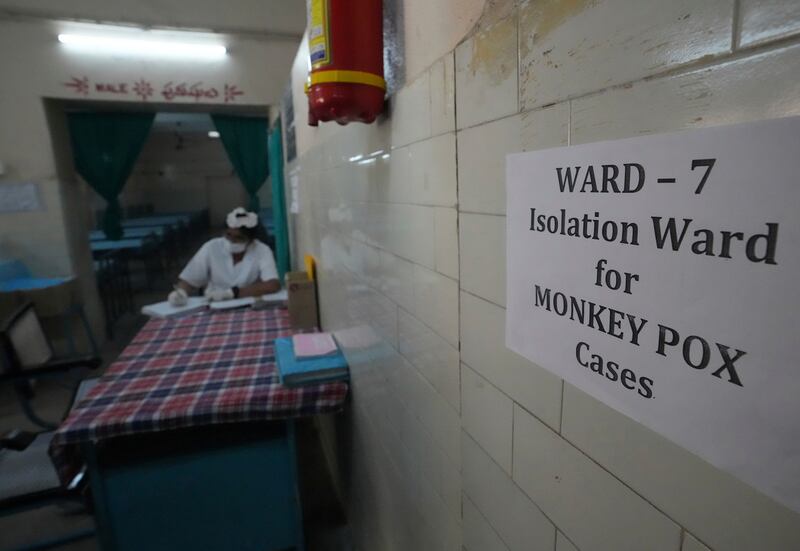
13,269
119,245
212,371
56,298
129,233
166,220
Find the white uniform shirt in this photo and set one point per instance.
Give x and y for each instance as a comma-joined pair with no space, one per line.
213,266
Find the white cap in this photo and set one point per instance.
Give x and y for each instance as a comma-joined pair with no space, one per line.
240,218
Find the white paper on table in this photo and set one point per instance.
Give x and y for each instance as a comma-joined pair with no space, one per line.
166,310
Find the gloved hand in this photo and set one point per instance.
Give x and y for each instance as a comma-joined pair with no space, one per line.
178,297
216,295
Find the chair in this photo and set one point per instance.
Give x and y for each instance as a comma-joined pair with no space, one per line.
27,476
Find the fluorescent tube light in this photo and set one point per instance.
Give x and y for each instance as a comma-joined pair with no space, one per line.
213,134
142,46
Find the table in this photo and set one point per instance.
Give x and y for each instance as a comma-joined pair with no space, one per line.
55,298
129,233
166,220
208,372
12,269
118,245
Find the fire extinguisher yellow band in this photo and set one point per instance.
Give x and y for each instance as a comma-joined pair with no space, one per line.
350,77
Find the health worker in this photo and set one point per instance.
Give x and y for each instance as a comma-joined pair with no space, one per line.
232,266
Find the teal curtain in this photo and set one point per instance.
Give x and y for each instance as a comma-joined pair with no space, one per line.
245,141
279,200
105,147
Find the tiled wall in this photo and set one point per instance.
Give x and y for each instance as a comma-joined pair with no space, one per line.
452,440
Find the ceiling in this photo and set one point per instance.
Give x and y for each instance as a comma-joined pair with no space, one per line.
275,18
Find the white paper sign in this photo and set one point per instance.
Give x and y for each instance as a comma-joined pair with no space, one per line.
661,275
19,197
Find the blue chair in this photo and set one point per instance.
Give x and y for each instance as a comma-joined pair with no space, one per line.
27,477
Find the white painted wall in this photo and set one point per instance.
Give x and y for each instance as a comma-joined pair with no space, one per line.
452,440
196,175
257,16
35,68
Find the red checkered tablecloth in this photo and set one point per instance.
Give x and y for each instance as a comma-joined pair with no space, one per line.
203,369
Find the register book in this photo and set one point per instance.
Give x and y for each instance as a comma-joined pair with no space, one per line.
296,372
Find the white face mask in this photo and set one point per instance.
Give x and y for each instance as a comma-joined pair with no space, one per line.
235,248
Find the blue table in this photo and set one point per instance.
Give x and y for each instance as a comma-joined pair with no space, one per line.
30,283
130,233
33,287
121,245
13,269
172,220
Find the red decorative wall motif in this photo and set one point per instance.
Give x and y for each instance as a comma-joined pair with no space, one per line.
144,90
80,85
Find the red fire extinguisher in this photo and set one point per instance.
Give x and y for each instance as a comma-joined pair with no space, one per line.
346,57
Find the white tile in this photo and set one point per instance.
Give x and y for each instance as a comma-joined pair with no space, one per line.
450,482
419,397
729,93
405,511
443,95
445,423
403,379
483,256
690,543
687,488
397,188
545,127
433,171
397,279
515,518
410,115
369,223
483,349
570,49
431,28
486,74
440,469
381,313
763,20
563,544
478,534
435,358
583,499
487,415
406,230
436,302
482,153
446,241
365,262
417,460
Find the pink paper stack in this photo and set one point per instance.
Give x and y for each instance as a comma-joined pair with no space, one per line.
313,345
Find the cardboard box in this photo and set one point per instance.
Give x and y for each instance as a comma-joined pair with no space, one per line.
302,300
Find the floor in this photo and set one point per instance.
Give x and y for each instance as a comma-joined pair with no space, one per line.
325,523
